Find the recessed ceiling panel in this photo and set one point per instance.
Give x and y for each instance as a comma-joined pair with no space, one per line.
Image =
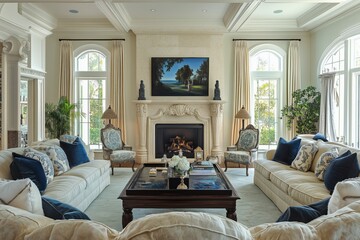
288,10
61,10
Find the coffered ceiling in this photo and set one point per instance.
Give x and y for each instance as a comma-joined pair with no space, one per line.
201,16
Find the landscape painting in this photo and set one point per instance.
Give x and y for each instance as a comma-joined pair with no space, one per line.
180,76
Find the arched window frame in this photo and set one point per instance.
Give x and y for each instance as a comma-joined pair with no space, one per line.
91,75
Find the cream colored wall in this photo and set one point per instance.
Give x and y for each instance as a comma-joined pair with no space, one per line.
327,35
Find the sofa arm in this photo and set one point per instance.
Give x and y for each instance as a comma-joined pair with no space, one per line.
270,154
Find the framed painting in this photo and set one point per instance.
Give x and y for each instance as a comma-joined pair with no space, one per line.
180,76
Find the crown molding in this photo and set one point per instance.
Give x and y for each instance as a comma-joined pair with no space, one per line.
116,14
270,25
38,17
86,25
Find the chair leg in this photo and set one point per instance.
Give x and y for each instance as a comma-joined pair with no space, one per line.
112,167
133,166
247,169
225,165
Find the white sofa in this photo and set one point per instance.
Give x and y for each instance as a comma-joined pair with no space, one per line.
78,187
286,186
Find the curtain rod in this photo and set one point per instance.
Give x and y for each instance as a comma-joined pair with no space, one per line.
254,39
79,39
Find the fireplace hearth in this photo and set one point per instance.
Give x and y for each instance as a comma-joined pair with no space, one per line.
170,138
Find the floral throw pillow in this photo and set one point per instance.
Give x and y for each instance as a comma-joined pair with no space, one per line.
57,156
303,159
44,160
324,161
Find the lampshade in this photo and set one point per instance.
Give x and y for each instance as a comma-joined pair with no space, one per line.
109,114
242,114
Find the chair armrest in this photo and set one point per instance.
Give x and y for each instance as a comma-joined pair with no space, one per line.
270,154
231,148
106,153
127,147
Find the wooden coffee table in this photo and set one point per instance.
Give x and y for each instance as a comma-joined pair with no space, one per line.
143,191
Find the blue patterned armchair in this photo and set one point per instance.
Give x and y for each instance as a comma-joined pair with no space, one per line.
114,148
247,144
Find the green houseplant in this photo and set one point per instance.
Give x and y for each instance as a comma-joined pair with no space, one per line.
58,117
305,110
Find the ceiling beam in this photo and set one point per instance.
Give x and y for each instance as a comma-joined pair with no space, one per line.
115,13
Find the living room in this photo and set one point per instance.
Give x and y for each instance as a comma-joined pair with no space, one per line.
30,36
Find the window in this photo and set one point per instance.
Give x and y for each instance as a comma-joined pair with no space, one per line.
91,82
344,60
266,66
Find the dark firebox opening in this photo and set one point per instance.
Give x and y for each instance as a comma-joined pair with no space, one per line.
170,138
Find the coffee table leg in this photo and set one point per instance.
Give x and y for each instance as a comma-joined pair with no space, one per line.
231,213
127,216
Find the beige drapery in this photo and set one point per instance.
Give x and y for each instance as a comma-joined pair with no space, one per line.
117,92
293,79
327,106
241,87
66,87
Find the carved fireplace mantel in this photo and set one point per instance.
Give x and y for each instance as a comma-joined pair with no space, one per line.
152,112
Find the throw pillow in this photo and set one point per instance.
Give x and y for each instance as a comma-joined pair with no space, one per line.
57,210
56,155
44,160
345,192
304,157
75,152
324,162
320,136
21,193
286,151
25,167
305,214
341,168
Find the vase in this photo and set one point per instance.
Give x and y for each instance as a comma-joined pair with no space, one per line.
182,184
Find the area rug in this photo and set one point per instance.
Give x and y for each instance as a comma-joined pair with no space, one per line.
252,209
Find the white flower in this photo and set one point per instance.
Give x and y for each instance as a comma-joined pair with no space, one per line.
180,163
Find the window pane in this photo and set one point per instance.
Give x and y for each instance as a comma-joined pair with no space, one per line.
339,99
335,61
357,53
91,61
265,61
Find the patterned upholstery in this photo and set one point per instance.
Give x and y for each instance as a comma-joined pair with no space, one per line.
114,148
247,144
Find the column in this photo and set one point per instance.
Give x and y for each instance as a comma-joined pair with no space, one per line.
216,111
141,114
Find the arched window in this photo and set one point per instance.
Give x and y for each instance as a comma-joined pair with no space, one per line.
266,69
90,73
344,60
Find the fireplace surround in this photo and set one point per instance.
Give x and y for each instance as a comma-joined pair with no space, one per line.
208,113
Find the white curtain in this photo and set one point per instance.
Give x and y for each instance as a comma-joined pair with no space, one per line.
241,87
293,80
327,106
66,70
117,92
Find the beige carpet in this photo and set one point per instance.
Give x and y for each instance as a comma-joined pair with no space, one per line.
252,209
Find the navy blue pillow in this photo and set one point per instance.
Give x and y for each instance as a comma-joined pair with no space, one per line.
305,214
75,152
287,151
57,210
25,167
341,168
320,136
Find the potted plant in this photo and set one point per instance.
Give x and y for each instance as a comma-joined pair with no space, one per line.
58,117
305,110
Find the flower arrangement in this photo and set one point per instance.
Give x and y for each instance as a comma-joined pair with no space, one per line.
179,163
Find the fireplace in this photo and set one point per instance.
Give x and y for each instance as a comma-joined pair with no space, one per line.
170,138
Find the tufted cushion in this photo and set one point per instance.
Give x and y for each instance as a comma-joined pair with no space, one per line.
21,193
341,168
57,156
44,160
284,231
345,192
324,161
286,151
122,155
304,157
184,225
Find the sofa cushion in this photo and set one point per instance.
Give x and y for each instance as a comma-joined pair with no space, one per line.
88,173
75,152
286,151
25,167
57,156
284,231
341,168
184,225
21,193
266,167
323,147
58,210
324,162
44,160
307,193
304,157
345,192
